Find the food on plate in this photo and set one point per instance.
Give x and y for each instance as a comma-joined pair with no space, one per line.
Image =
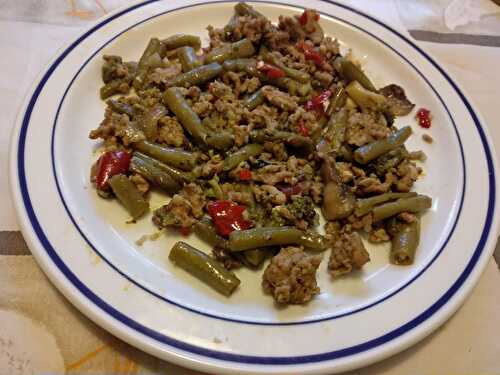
254,137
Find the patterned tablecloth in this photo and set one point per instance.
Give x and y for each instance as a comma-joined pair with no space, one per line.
40,332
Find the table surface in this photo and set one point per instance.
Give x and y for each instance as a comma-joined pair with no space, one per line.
29,40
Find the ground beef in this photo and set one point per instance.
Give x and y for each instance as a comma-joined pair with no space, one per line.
250,85
268,194
117,125
407,217
379,235
241,135
279,98
249,27
408,173
348,252
363,128
165,75
212,166
262,116
194,194
274,173
292,27
373,186
170,131
291,276
324,78
278,150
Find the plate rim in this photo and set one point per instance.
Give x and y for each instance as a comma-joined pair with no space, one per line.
75,295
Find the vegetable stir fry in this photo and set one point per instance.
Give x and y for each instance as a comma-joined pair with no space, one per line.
252,137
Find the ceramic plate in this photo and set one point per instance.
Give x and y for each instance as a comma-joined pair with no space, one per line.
89,252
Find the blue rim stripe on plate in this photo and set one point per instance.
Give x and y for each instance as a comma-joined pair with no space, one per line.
146,289
229,356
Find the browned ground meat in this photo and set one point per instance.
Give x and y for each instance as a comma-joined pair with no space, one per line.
117,125
170,131
348,252
291,276
279,98
363,128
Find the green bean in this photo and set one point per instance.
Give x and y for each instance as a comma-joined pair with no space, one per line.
112,88
371,151
270,236
351,72
241,155
148,121
188,118
337,129
294,74
153,61
393,226
363,206
243,9
181,40
187,57
197,76
242,48
217,190
220,141
206,269
337,100
129,196
180,176
292,139
404,244
367,100
338,200
254,100
206,231
120,107
153,174
291,86
412,204
177,158
154,46
254,257
239,65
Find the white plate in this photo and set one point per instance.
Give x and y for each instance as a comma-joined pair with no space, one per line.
87,250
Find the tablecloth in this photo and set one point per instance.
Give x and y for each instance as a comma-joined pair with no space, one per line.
40,332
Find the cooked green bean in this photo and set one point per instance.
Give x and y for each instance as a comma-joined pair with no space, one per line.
129,196
239,65
188,118
148,121
292,139
206,231
254,100
241,155
181,40
294,74
254,257
367,100
242,48
337,100
180,176
292,86
338,200
404,244
412,204
155,175
188,59
336,130
263,237
270,236
177,158
197,76
220,141
154,46
363,206
371,151
204,268
216,189
243,9
352,73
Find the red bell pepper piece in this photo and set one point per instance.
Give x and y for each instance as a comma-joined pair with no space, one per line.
228,217
272,71
316,102
289,190
245,174
311,54
303,130
110,164
424,118
303,17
